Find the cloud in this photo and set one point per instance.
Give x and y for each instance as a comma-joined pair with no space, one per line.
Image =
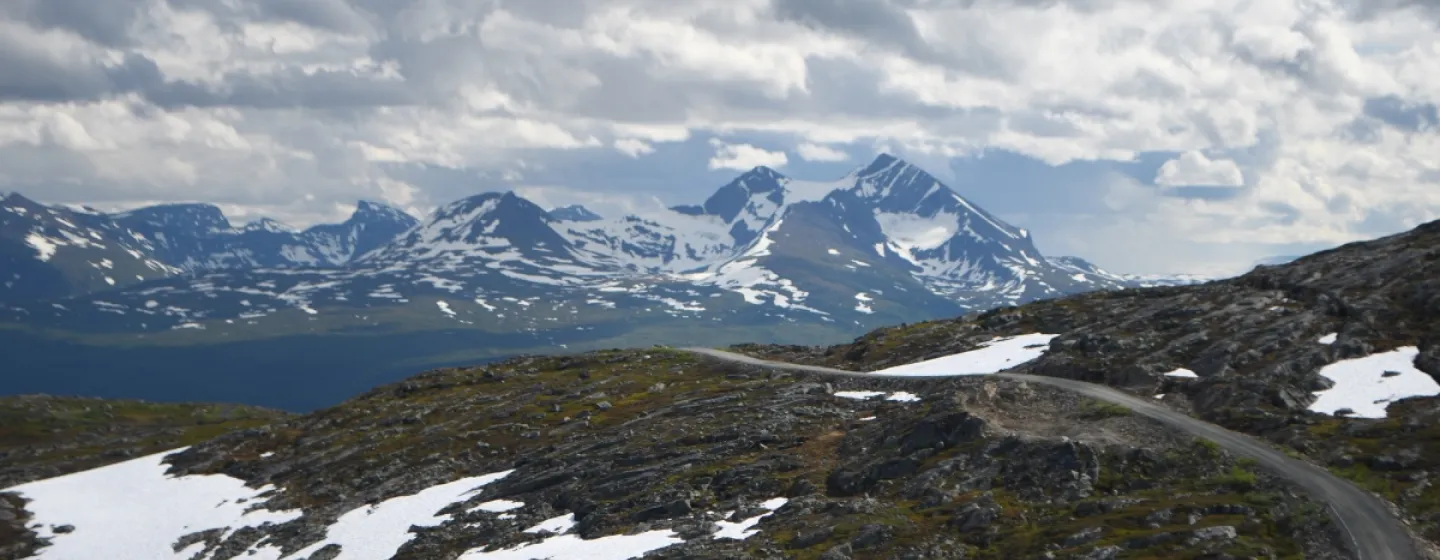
633,148
743,157
1327,106
1194,169
817,152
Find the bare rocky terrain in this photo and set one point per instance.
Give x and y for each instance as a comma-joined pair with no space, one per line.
636,440
1251,340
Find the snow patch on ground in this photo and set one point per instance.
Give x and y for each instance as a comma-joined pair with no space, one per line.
498,506
744,529
558,525
858,395
615,547
992,357
1328,339
1182,372
1364,386
901,396
133,510
377,532
445,308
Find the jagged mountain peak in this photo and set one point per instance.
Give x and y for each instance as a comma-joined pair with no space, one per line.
759,185
17,199
898,187
485,226
762,174
881,162
488,206
369,210
268,225
575,213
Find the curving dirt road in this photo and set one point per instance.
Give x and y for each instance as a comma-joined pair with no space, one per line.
1373,532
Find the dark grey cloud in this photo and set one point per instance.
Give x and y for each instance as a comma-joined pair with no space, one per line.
334,15
877,20
1402,114
105,22
1084,6
289,88
29,74
885,23
1370,9
343,16
116,23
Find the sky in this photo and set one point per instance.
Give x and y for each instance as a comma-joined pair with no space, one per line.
1148,136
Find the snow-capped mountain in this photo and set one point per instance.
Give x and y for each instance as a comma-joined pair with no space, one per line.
54,252
199,238
889,213
487,230
886,243
574,213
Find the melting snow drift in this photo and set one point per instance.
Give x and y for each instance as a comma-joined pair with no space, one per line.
901,396
133,510
1368,385
992,357
377,532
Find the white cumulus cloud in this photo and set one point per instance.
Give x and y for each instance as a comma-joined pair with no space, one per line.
817,152
743,157
633,147
1193,168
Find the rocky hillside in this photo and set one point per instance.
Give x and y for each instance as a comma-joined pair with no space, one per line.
620,453
1335,356
43,436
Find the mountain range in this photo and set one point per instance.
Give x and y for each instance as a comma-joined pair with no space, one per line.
814,261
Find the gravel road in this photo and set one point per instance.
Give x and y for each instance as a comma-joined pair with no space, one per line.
1374,533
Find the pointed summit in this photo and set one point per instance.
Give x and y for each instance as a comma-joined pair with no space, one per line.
881,162
737,195
574,213
479,226
368,211
763,173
